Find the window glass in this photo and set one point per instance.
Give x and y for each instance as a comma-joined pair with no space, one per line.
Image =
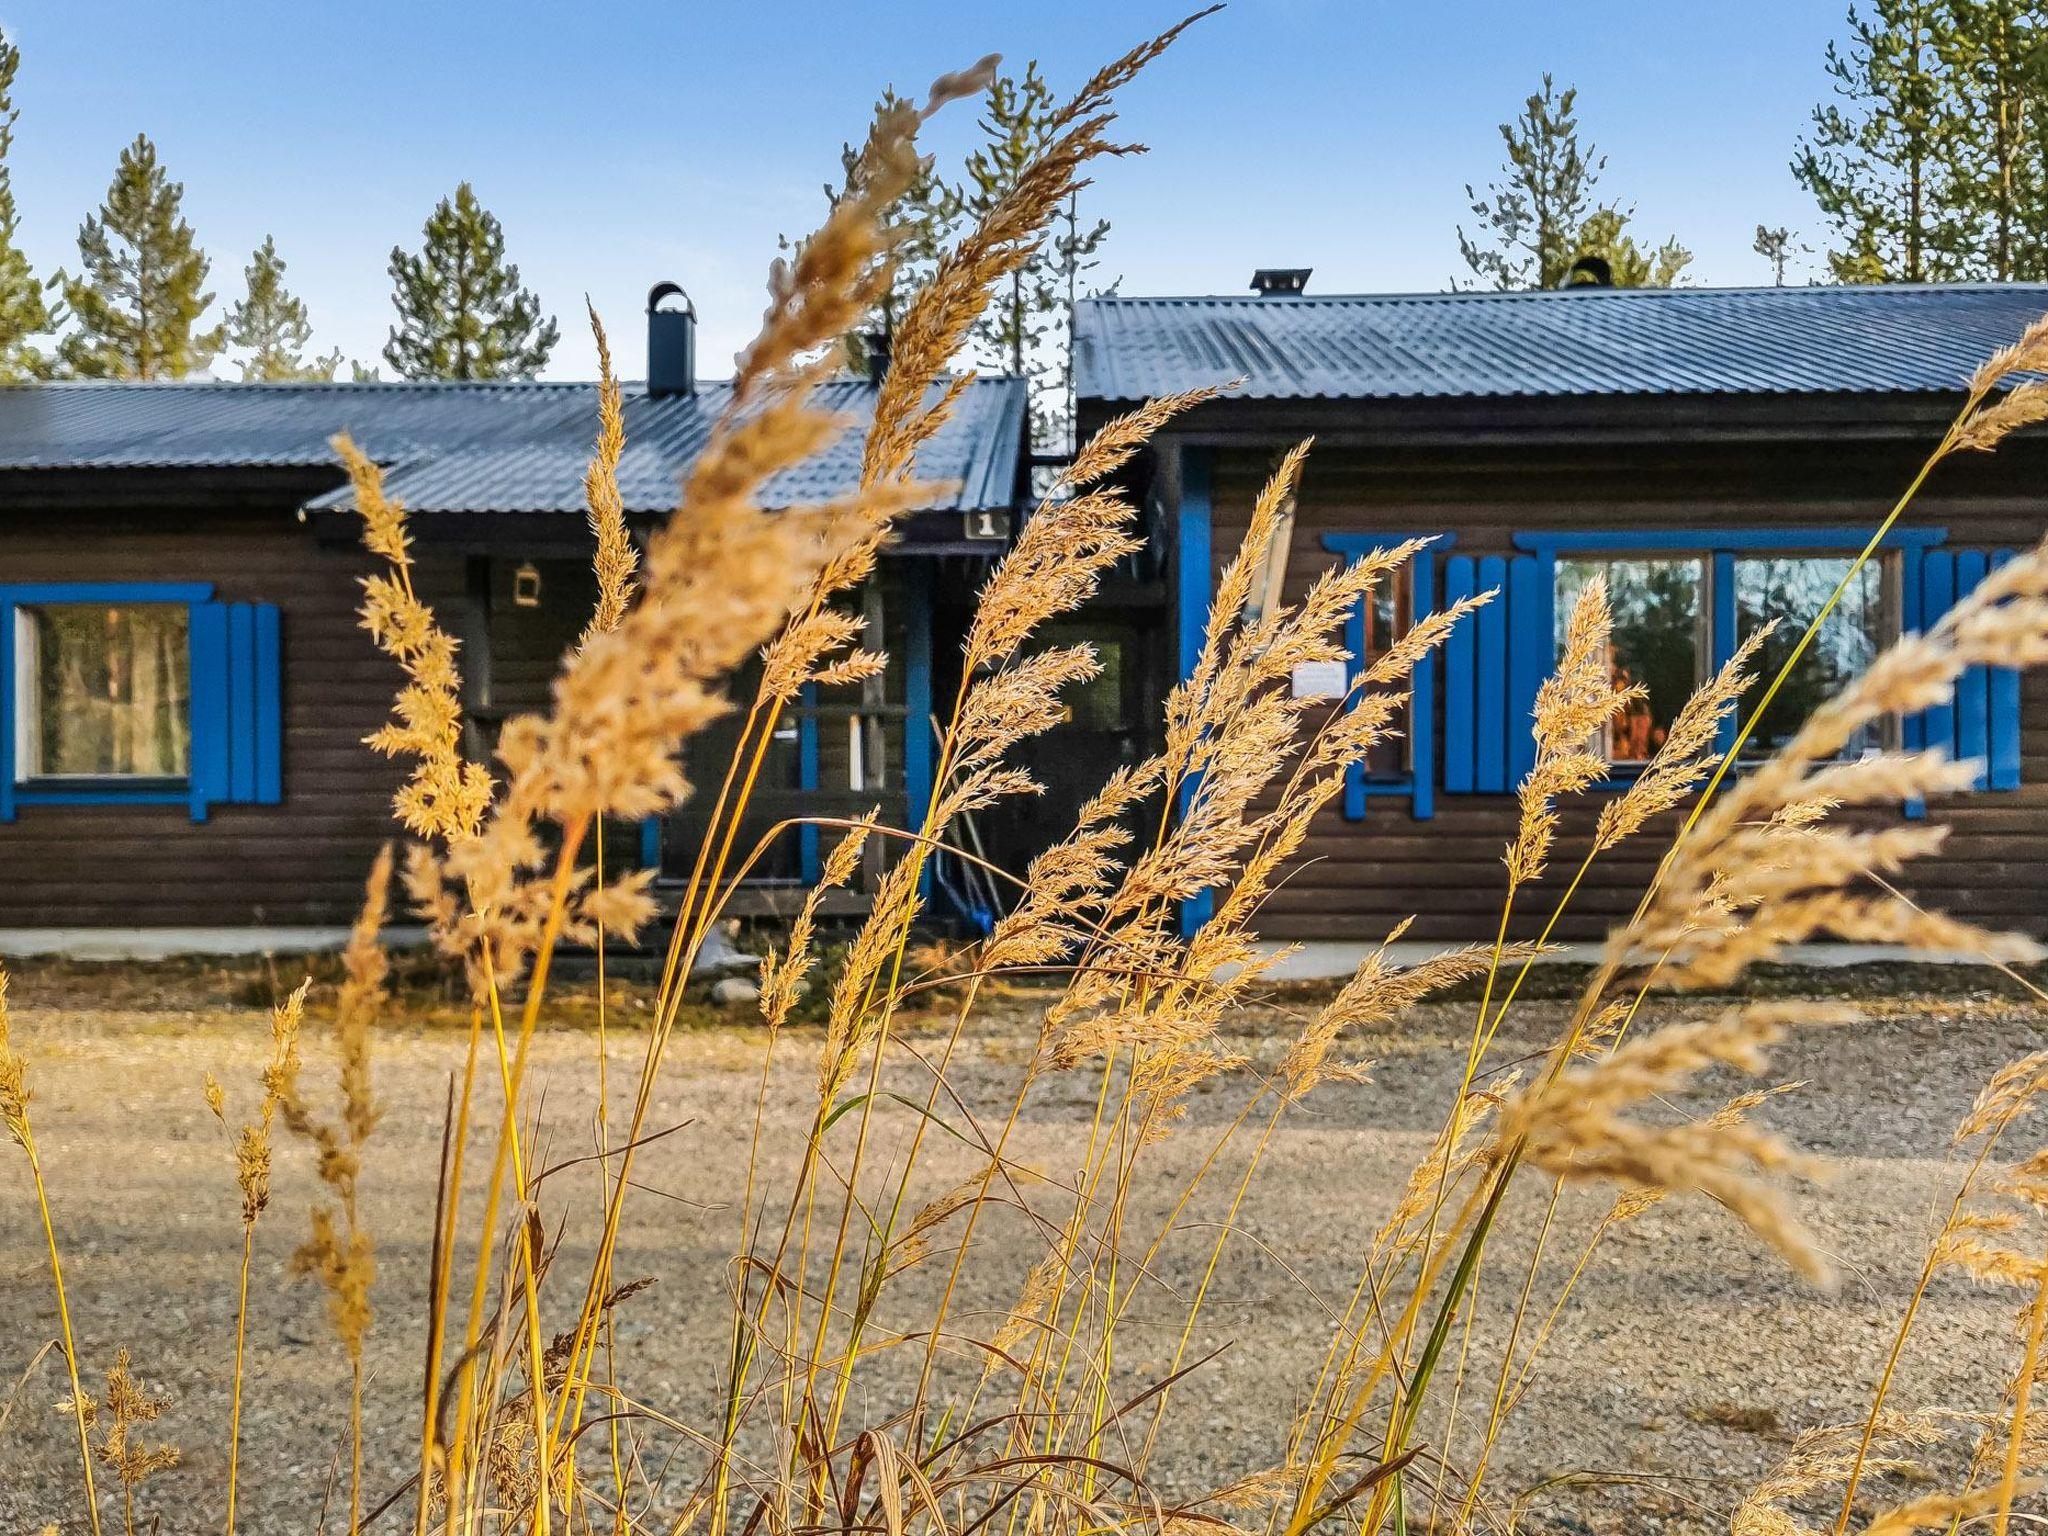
1386,620
1792,589
1659,641
105,690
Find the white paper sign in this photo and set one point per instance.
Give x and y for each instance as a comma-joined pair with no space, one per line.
1320,680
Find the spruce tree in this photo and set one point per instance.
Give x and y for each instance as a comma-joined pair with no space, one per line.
1879,161
1605,235
137,299
1540,216
928,213
1995,56
462,312
270,324
1776,246
1027,330
23,314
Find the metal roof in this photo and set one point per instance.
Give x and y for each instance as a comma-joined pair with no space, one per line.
510,447
1897,339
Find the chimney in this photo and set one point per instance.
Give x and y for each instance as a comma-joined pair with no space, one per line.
1589,272
671,342
1281,282
875,346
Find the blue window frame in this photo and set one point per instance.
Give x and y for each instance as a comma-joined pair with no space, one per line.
1718,553
1417,781
234,702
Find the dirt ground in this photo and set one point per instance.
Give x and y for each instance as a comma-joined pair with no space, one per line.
1687,1360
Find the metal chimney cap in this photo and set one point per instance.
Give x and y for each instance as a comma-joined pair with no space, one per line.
663,291
1589,272
1278,282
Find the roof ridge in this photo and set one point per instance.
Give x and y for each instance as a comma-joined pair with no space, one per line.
1579,293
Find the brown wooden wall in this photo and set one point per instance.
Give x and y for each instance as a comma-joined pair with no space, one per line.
1359,878
298,863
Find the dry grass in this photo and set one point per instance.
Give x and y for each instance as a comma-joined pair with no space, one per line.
529,1416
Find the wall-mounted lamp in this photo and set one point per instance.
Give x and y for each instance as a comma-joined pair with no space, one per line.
526,586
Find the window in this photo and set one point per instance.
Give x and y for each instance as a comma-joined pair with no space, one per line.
1792,591
104,691
1659,641
1679,616
1405,766
1386,614
138,693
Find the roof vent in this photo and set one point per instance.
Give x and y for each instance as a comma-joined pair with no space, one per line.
671,342
1589,272
1280,282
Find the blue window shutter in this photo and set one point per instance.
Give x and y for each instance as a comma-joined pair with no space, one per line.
269,706
1532,655
212,732
1422,694
1937,593
237,706
1460,652
2003,747
1490,700
1973,688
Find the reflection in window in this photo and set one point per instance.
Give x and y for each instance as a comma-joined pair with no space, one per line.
1658,641
106,691
1387,616
1792,590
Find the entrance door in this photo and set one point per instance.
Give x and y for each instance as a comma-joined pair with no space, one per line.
1113,720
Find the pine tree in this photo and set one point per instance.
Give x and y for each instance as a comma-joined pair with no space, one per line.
1777,246
1027,329
462,312
141,290
929,215
23,314
1541,217
270,325
1531,217
1995,55
1605,235
1879,167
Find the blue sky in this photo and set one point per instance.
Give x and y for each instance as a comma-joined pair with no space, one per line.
623,141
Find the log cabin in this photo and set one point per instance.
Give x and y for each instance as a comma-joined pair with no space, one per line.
185,690
1719,455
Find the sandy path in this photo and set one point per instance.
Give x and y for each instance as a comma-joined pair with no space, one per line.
1685,1362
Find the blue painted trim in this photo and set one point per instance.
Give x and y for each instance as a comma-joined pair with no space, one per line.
107,794
14,594
106,592
917,699
1722,640
1419,782
241,704
1490,760
1912,730
1937,594
2004,690
1193,546
269,706
212,720
10,770
1532,653
1973,688
1822,537
810,865
1459,584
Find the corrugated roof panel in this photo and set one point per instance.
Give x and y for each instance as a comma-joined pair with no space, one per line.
479,447
1900,339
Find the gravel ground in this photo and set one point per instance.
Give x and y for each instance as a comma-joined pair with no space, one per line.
1685,1363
